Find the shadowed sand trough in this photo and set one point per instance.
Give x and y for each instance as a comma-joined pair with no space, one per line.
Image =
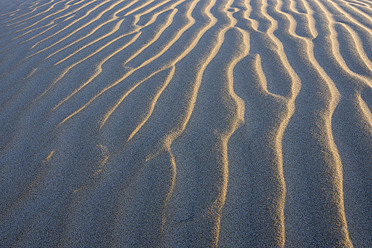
185,123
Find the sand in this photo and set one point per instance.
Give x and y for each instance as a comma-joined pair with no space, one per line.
185,123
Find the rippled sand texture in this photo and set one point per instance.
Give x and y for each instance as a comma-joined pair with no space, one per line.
185,123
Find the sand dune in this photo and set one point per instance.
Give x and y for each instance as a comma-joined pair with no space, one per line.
185,123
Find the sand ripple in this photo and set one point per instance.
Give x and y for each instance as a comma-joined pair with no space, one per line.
185,123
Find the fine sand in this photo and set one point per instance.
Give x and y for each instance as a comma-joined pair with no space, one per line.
186,123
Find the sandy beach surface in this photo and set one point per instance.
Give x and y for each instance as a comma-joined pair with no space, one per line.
185,123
